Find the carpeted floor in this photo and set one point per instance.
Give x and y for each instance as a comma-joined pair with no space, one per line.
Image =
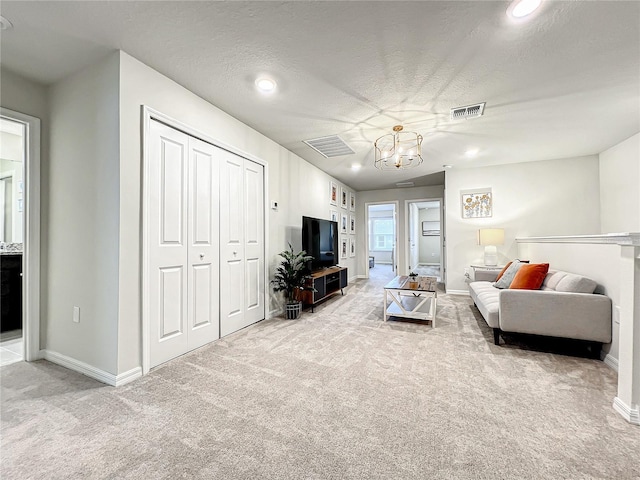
338,394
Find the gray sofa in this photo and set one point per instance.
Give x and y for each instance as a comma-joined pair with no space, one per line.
565,306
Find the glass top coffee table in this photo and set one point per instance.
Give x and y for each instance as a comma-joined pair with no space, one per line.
411,298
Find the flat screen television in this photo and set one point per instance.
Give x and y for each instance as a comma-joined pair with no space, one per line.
320,240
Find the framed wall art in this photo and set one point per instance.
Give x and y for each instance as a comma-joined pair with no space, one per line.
352,247
343,247
430,229
352,202
344,223
343,197
333,193
352,224
333,215
477,203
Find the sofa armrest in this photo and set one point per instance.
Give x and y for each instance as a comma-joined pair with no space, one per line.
485,275
582,316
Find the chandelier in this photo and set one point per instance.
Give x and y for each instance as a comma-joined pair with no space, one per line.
398,150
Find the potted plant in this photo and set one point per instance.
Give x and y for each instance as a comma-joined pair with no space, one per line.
291,278
413,279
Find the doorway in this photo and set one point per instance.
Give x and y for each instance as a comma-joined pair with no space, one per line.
424,238
19,237
382,237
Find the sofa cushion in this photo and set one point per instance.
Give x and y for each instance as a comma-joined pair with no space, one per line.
568,282
576,284
486,298
503,270
552,279
530,277
508,275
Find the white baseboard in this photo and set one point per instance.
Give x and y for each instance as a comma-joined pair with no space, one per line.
361,277
129,376
457,292
273,313
91,371
609,361
354,278
631,415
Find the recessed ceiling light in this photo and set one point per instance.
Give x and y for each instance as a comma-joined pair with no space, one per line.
265,85
471,153
521,8
355,167
5,24
447,166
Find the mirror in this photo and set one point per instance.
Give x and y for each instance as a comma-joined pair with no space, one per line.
12,151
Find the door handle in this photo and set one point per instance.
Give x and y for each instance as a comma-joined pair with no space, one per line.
201,256
235,253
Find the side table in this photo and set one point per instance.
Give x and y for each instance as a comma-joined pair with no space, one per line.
487,273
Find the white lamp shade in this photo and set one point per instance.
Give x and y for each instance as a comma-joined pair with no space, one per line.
491,236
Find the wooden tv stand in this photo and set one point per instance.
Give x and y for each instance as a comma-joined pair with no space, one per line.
326,282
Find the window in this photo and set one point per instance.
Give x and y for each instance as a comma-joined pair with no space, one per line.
381,234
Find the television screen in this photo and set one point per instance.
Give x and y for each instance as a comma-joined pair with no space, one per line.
320,240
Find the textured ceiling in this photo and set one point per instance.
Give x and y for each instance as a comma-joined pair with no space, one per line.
565,83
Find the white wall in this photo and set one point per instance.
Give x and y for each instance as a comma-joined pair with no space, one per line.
620,187
429,245
298,187
19,94
553,197
389,196
83,205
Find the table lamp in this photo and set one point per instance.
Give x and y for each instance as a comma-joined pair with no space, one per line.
489,238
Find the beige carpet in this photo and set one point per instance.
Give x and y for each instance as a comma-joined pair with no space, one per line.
338,394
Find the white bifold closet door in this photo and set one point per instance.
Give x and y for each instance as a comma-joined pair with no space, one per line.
183,243
242,246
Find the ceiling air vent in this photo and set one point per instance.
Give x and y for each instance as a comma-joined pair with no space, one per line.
404,184
470,111
331,146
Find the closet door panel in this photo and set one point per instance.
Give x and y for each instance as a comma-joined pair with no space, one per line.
171,307
167,231
232,289
203,252
254,241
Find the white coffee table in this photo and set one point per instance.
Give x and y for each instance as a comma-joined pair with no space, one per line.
406,298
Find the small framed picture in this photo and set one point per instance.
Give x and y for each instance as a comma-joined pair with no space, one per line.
333,214
343,247
477,203
352,247
352,224
343,197
333,193
344,223
352,202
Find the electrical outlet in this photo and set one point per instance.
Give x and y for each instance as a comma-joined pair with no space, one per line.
76,314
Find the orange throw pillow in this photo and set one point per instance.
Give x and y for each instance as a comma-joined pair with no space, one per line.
503,270
530,277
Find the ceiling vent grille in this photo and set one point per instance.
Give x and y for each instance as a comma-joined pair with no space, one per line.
404,184
470,111
331,146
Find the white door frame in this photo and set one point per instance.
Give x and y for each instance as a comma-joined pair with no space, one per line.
406,229
149,114
396,206
31,234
